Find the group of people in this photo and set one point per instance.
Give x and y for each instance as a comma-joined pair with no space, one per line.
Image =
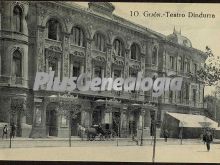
5,131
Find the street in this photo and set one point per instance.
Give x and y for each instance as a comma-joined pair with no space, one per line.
164,153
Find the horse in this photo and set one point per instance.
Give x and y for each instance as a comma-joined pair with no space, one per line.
93,131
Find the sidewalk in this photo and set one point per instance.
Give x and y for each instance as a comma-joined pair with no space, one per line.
77,142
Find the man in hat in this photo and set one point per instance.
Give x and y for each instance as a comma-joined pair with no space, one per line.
208,138
5,132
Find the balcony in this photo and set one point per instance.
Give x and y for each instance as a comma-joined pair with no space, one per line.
77,50
136,96
13,35
13,81
53,44
96,53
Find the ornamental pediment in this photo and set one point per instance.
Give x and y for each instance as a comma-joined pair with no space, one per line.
78,53
52,55
99,58
135,67
118,62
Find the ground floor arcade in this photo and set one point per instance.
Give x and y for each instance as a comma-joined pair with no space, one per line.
44,114
50,118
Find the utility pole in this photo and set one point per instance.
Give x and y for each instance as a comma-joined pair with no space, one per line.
70,127
215,105
155,135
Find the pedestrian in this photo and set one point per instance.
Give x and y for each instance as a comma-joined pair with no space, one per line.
203,138
166,135
13,128
5,132
208,139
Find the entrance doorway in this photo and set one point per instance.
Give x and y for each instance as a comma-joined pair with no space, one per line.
133,123
51,120
116,116
97,117
75,122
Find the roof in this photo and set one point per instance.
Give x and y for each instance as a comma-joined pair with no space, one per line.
177,38
182,40
196,121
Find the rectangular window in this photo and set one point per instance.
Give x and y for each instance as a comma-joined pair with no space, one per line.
195,68
194,97
187,94
64,121
76,70
37,116
171,96
117,73
98,71
180,64
180,97
187,65
53,64
171,62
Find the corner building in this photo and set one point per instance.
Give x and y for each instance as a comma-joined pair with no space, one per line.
70,40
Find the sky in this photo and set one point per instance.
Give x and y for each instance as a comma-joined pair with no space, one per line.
202,32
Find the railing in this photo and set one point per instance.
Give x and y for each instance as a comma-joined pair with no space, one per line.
98,53
77,50
12,80
182,102
53,43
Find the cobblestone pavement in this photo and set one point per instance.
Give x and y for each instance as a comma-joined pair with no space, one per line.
164,153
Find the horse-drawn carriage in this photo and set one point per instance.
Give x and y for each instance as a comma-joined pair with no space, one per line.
96,131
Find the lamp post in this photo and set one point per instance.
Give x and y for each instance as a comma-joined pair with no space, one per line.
181,133
142,128
154,144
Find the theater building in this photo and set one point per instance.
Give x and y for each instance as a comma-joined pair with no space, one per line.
70,40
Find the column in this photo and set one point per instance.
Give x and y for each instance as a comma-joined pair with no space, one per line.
108,60
88,67
103,72
40,49
82,68
65,70
126,64
39,119
148,54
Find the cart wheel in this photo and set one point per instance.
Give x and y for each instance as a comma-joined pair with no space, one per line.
93,138
90,137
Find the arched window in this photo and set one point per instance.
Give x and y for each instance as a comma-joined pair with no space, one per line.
135,52
54,29
99,40
78,36
17,64
118,48
154,56
17,18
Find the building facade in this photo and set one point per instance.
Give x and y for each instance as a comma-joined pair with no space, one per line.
70,40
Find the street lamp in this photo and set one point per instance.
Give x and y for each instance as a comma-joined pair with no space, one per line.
155,132
142,129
